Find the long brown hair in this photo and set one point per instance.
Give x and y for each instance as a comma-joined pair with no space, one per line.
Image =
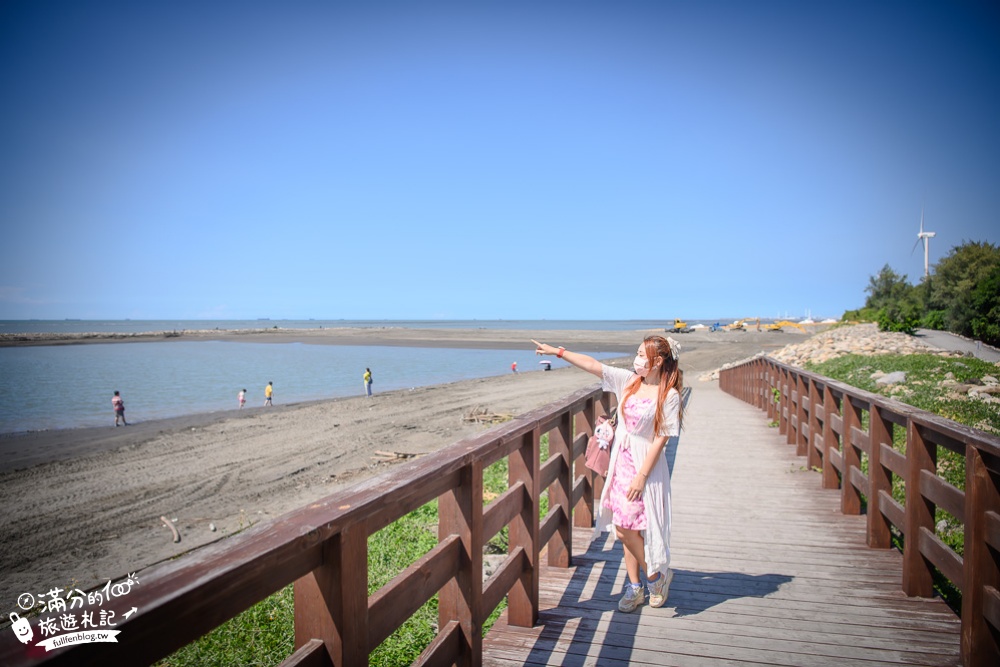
671,377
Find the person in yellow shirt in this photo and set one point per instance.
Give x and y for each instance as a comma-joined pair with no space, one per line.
368,382
268,393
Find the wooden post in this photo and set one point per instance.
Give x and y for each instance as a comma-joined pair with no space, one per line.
830,441
815,408
879,479
460,512
850,497
583,513
608,407
744,387
560,494
760,384
801,427
522,601
776,398
980,647
793,401
783,401
766,387
331,602
920,455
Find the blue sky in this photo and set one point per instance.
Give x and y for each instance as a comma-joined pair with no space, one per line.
487,159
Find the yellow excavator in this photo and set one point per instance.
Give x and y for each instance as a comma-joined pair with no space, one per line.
680,326
777,326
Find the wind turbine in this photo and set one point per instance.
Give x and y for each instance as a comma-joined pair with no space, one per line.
925,237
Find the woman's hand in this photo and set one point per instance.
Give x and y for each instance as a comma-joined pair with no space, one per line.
543,349
577,359
637,486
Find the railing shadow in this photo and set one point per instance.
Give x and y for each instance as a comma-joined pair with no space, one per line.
586,600
693,592
589,607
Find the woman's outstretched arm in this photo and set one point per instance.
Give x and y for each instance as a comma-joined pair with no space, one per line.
581,361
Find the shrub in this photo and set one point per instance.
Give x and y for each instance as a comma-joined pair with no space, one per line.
898,318
985,303
861,315
934,319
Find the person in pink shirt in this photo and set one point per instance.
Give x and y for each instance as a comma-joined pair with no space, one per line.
119,405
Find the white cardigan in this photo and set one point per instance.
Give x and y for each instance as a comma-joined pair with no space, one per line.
656,496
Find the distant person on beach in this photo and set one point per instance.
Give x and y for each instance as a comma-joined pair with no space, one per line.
119,405
636,496
367,377
242,397
268,393
513,367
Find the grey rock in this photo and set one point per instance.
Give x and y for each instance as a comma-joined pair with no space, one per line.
891,378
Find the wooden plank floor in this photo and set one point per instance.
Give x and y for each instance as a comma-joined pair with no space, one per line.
767,571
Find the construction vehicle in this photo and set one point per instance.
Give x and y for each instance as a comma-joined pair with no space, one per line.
737,325
777,326
680,326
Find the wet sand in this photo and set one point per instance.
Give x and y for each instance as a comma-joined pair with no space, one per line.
82,506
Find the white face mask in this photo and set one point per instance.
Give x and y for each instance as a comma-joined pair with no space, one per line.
641,367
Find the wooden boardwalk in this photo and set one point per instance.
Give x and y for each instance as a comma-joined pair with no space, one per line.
767,571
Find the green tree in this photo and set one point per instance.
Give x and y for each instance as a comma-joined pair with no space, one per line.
985,304
896,303
885,288
955,280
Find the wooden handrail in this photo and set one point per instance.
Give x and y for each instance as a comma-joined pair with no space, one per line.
323,549
823,418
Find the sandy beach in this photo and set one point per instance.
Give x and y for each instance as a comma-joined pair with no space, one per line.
83,505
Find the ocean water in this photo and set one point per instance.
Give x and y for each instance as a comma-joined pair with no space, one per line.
49,387
138,326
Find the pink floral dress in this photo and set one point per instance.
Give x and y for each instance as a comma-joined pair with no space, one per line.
625,513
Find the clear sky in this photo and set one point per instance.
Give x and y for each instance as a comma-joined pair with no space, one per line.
585,160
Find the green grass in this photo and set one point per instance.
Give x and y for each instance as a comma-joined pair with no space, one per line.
921,389
924,389
264,634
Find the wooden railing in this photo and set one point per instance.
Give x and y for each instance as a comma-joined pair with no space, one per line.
823,418
323,549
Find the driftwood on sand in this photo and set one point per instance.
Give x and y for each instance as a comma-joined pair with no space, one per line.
172,527
482,415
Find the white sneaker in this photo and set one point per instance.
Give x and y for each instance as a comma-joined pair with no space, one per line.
658,589
634,596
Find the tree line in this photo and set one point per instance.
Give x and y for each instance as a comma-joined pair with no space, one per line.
961,295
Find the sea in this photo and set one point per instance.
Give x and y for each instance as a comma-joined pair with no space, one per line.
68,386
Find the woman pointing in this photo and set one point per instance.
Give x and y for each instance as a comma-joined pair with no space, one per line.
636,497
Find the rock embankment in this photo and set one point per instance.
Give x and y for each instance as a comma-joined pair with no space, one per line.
863,339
